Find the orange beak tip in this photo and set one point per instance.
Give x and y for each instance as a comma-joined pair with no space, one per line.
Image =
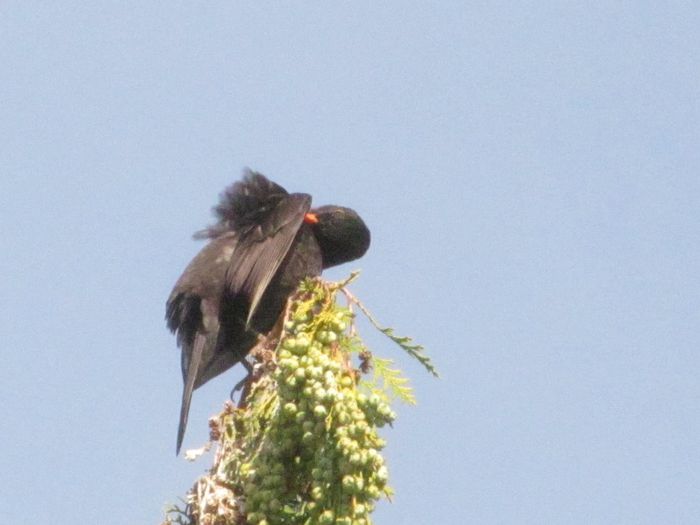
311,218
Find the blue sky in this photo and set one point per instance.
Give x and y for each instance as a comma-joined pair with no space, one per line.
529,171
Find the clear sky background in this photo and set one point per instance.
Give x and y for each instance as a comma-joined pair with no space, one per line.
530,172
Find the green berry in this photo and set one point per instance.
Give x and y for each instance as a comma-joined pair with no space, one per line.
317,493
349,483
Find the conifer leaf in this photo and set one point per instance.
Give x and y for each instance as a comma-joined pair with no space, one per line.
392,380
415,350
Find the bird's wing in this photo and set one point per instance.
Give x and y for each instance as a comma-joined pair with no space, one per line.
262,248
193,305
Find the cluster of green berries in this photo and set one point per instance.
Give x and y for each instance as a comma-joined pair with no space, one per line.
319,460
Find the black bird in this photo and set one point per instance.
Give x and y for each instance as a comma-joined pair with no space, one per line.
265,242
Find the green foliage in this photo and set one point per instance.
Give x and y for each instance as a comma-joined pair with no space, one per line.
303,446
414,350
390,380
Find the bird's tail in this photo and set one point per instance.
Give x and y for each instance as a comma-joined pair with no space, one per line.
195,359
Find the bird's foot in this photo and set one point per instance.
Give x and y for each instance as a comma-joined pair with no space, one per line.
242,384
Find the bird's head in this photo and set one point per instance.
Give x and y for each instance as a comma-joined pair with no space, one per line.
341,233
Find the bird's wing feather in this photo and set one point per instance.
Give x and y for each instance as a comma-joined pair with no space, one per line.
191,307
244,203
262,249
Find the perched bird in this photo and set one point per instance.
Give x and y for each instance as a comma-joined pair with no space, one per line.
264,243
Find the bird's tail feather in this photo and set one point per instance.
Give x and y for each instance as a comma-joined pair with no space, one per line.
192,369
